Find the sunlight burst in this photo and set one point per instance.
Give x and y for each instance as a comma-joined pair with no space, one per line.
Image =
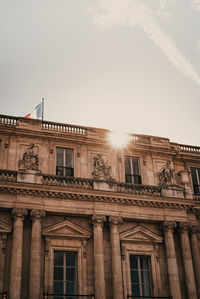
118,140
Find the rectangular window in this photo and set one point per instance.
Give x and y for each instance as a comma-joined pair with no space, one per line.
132,170
64,161
140,275
65,273
196,180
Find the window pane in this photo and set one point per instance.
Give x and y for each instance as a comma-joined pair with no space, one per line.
144,263
134,276
135,164
71,258
135,290
133,262
58,273
59,156
58,258
68,157
146,290
58,287
145,276
70,288
127,165
70,274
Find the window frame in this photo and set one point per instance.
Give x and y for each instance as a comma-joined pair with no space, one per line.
64,268
65,168
197,171
132,174
139,271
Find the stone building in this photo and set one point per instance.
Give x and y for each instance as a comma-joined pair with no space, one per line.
80,217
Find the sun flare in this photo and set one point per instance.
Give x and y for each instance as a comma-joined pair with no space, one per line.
118,140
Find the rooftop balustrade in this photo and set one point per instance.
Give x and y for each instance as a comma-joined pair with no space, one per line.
74,130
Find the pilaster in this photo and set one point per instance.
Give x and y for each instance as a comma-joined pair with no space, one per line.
35,263
116,257
100,291
16,256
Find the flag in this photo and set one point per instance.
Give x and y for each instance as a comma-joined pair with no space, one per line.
36,113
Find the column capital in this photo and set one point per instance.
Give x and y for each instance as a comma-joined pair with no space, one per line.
98,220
37,215
184,226
194,229
168,225
115,220
19,213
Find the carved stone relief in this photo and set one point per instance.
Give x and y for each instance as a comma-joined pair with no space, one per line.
166,175
30,160
101,169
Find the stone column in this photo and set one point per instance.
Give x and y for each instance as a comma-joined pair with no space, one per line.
99,274
171,260
16,255
35,263
3,239
116,257
187,259
196,255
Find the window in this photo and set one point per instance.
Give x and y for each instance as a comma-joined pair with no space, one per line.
132,170
140,275
196,180
65,273
64,161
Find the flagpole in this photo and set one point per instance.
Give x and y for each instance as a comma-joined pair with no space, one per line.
42,109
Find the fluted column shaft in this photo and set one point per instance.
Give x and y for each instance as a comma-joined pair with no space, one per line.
171,260
196,257
99,274
116,257
35,262
187,259
16,256
3,239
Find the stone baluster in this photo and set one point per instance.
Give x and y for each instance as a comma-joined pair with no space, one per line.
35,262
116,257
187,259
99,274
16,255
174,283
196,255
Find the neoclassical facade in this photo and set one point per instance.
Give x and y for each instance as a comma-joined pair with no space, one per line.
80,217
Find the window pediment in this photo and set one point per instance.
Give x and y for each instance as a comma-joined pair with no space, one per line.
66,229
140,234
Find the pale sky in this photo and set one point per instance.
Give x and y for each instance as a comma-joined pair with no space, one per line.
127,65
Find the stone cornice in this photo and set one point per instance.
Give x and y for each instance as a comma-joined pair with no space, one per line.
135,200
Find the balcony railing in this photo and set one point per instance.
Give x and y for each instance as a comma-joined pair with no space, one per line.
147,297
138,189
64,128
69,182
8,175
9,120
58,296
133,179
